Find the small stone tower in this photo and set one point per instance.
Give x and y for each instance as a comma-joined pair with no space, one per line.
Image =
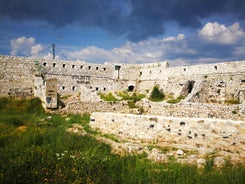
51,93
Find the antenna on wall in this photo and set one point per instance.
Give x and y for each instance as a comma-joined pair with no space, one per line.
53,49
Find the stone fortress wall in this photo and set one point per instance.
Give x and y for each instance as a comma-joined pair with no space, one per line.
19,73
209,83
220,81
202,122
17,77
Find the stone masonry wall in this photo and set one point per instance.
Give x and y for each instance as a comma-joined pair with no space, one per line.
212,83
197,110
76,107
172,80
201,134
16,77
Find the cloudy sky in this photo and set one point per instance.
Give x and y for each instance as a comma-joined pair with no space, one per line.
127,31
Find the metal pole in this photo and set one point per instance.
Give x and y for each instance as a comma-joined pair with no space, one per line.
53,49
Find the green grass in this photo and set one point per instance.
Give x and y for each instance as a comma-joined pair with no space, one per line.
177,100
46,153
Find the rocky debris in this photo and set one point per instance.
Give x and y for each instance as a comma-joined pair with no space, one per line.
200,162
158,156
179,152
191,159
219,161
49,117
164,155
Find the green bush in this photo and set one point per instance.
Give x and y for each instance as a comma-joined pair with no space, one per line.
156,94
134,97
108,97
124,95
137,97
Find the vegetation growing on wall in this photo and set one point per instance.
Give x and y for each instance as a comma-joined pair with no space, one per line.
131,98
134,97
109,97
42,71
232,101
177,100
156,95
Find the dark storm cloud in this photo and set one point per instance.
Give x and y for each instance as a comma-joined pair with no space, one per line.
140,20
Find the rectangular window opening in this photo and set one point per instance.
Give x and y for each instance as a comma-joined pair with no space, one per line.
117,67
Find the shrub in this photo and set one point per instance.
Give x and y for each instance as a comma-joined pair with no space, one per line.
137,97
124,95
108,97
156,94
134,97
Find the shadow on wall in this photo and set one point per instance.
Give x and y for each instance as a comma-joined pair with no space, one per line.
187,88
61,104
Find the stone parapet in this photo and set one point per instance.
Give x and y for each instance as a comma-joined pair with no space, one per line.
195,110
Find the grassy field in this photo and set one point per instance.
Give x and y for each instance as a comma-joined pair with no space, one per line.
36,148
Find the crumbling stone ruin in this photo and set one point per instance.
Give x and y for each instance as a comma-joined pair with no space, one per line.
212,98
197,136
